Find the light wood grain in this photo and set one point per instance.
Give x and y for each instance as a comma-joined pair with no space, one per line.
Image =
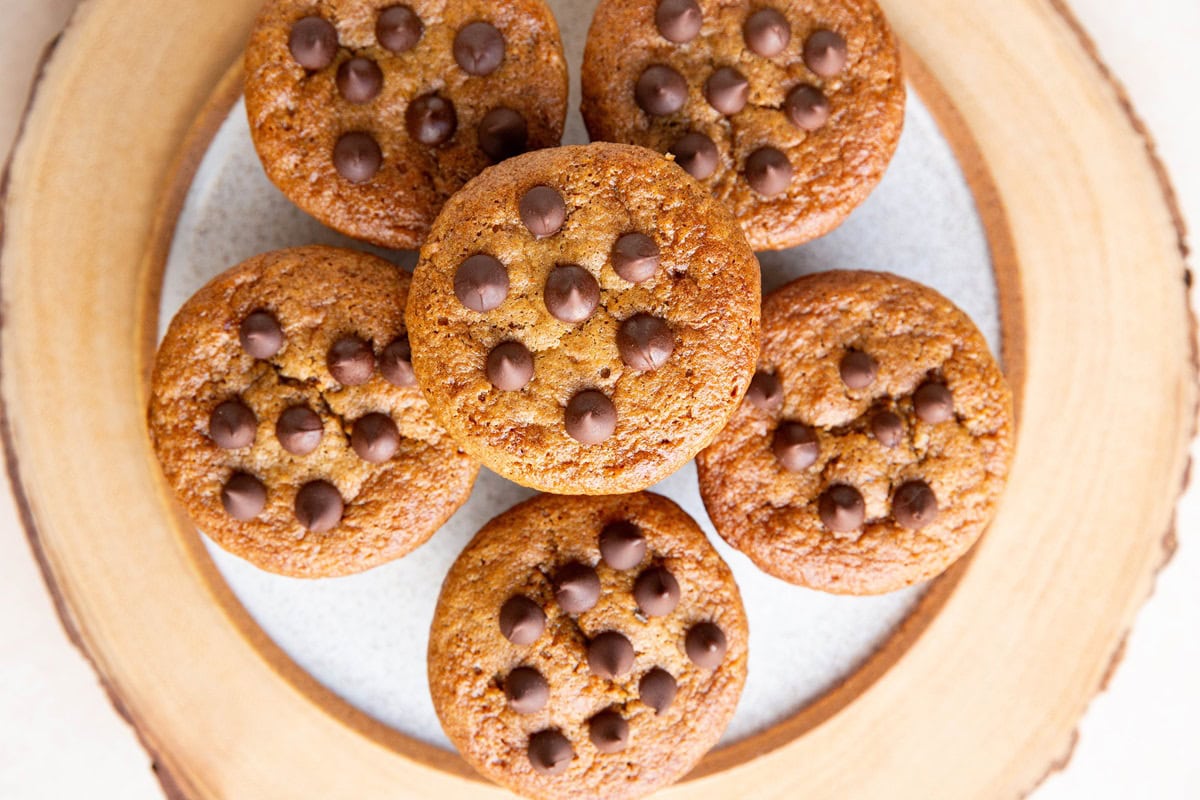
980,703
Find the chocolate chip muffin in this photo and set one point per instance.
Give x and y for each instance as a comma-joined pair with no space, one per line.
368,114
873,444
587,647
285,412
584,319
788,111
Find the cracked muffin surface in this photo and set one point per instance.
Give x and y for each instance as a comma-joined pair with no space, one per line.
874,442
286,417
587,647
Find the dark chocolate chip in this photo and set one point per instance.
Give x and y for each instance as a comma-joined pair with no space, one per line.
657,689
395,363
503,133
914,505
243,496
576,588
479,48
572,293
299,430
543,211
678,20
660,90
527,690
313,43
590,417
608,731
767,32
727,90
549,752
431,119
510,366
232,425
656,592
933,402
622,545
765,392
375,438
705,645
610,655
260,334
887,428
359,80
357,157
522,620
769,172
806,107
351,361
858,369
795,446
645,342
697,154
825,53
481,283
635,257
841,508
398,29
319,506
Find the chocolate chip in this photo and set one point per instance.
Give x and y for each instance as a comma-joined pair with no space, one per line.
806,107
299,430
678,20
576,588
656,592
398,29
768,171
697,154
503,133
914,505
510,366
243,496
260,334
795,446
933,402
635,257
549,752
825,53
431,119
395,363
313,43
357,157
841,508
571,294
359,80
481,283
705,645
767,32
543,211
608,731
622,545
765,392
527,690
858,370
479,48
660,90
645,342
727,90
610,655
232,425
319,506
522,620
351,361
887,428
590,417
375,438
657,689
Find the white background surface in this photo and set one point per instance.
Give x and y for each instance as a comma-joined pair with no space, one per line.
60,738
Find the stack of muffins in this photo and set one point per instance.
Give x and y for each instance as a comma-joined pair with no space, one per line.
584,321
